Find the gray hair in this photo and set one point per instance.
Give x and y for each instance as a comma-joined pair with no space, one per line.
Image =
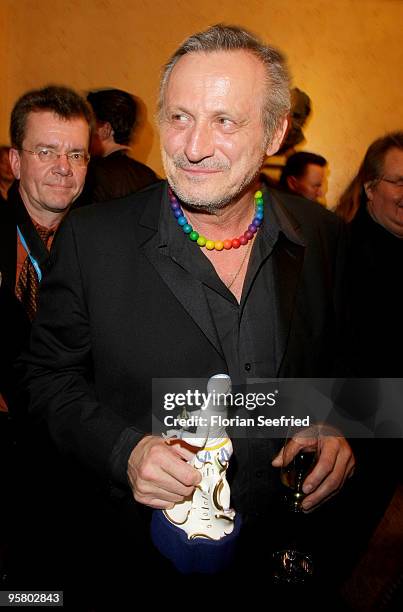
232,38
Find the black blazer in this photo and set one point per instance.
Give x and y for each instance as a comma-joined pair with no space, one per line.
116,312
114,176
15,325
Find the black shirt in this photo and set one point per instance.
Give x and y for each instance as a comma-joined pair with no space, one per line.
245,329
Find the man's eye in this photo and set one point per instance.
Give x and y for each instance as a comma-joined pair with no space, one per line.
179,118
46,155
225,122
76,156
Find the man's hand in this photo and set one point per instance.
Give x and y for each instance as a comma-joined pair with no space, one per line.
158,472
334,465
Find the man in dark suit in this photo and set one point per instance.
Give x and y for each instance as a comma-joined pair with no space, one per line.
50,138
186,280
50,131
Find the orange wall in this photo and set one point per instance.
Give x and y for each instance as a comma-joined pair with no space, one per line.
347,55
4,106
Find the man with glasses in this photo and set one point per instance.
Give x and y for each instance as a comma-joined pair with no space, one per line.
50,133
372,205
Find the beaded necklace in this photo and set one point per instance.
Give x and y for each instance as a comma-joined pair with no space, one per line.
218,245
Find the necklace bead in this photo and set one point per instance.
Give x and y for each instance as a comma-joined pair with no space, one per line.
218,245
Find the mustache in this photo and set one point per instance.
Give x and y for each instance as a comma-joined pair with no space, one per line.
182,162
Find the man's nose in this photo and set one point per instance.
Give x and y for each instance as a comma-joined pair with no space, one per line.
200,142
62,165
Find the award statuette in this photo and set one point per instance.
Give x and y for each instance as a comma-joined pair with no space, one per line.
199,533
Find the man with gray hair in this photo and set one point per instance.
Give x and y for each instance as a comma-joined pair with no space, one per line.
207,272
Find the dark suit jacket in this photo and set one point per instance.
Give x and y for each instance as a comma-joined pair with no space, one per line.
15,326
25,449
375,291
14,323
114,176
115,311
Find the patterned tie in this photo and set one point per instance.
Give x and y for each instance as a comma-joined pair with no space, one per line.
27,286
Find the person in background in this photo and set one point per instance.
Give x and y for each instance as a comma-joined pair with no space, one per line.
50,130
112,173
50,135
304,174
372,206
6,174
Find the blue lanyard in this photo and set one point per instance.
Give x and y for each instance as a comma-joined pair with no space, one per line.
32,258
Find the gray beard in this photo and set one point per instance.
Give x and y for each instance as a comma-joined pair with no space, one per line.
211,206
198,204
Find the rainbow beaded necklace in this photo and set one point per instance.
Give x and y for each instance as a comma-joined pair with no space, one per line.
218,245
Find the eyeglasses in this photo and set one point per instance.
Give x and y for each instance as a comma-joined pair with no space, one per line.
397,182
48,156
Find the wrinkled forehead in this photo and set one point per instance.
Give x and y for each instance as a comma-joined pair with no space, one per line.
216,74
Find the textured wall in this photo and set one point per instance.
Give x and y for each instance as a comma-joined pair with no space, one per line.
347,55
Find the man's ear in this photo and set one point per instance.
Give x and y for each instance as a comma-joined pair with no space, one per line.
15,162
275,142
368,189
104,130
292,183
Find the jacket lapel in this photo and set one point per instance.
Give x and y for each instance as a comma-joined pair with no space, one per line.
287,265
187,290
31,236
288,259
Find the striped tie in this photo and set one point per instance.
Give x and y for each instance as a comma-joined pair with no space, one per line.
27,287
